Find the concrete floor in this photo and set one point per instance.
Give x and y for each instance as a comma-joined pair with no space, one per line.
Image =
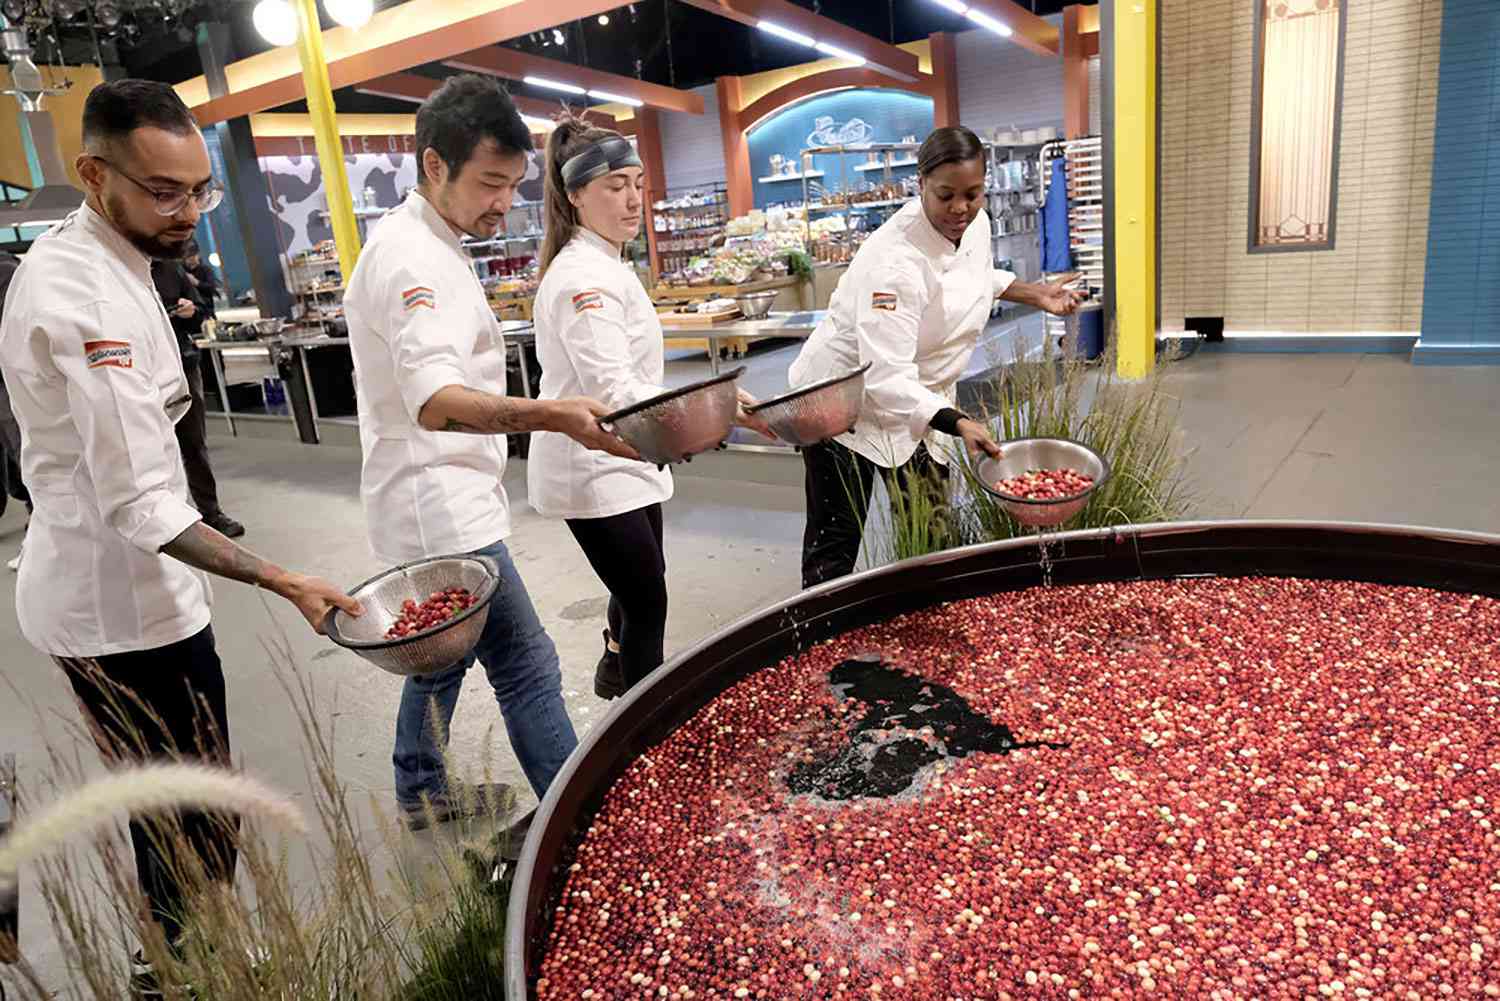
1357,437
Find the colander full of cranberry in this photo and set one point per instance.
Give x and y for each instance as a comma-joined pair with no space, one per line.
421,616
1043,482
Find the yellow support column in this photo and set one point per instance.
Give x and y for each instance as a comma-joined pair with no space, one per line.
1134,169
326,134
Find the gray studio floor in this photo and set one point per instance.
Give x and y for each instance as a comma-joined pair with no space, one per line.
1358,437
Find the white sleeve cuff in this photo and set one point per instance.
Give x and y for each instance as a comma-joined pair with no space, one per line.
928,405
168,519
1002,280
420,385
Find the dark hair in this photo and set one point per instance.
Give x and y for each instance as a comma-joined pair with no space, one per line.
571,135
949,144
114,110
462,113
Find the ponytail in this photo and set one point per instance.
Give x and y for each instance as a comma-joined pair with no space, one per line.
571,135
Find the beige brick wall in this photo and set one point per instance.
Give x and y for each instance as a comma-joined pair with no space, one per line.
1372,281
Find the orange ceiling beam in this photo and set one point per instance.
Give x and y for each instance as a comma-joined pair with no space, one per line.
511,64
1029,31
878,55
395,39
416,88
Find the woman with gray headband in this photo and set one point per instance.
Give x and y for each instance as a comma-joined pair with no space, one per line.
597,334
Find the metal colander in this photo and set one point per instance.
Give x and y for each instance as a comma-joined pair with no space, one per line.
432,649
1025,454
817,412
677,424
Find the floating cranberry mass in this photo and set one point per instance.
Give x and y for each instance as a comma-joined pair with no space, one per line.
439,607
1046,484
1231,788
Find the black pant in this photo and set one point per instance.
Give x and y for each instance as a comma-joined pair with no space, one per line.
626,552
10,469
838,483
166,703
192,441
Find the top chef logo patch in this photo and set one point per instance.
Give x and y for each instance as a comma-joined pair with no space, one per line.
883,300
589,298
112,354
418,298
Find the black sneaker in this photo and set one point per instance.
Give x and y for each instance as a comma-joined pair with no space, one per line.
225,525
488,800
144,984
609,676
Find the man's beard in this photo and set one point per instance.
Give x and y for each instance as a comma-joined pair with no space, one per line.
157,246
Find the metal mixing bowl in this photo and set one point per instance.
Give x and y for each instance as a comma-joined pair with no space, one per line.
432,649
676,425
1026,454
817,412
755,305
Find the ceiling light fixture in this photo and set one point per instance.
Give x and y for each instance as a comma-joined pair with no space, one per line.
772,28
982,19
276,21
605,95
557,36
350,13
213,258
953,5
535,81
603,20
838,53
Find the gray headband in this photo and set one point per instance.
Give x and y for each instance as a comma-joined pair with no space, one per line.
597,159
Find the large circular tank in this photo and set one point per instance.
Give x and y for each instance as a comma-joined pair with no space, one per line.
1467,563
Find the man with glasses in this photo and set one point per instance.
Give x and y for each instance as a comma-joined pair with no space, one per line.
110,586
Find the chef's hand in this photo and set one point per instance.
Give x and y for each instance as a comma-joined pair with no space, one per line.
1057,300
314,596
184,309
578,418
745,419
977,439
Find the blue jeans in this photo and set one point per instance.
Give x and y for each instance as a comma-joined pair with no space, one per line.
521,662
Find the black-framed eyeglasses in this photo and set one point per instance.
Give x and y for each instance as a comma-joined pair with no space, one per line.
169,203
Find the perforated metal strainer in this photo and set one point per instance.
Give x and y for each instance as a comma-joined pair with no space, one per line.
810,414
678,424
431,649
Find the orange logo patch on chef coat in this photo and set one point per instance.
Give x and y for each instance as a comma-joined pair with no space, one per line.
418,298
883,300
110,354
589,298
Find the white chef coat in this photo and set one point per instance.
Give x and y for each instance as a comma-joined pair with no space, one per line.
96,383
912,305
597,335
418,322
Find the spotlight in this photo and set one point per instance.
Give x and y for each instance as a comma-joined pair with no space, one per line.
213,259
108,15
350,13
557,36
276,21
66,10
603,20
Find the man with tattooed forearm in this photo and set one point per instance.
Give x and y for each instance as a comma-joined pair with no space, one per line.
111,584
429,364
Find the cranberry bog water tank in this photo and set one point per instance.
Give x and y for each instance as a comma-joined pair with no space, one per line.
1303,599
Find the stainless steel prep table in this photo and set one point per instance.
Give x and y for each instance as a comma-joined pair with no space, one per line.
798,326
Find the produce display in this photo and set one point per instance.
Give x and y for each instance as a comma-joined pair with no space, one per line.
1210,788
1046,484
439,607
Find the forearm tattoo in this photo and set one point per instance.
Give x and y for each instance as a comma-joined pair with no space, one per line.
205,549
486,413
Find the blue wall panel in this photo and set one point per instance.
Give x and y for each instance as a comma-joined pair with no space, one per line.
888,116
1461,300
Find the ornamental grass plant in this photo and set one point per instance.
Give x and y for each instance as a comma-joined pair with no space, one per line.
370,925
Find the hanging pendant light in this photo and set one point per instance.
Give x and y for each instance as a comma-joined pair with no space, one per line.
276,21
